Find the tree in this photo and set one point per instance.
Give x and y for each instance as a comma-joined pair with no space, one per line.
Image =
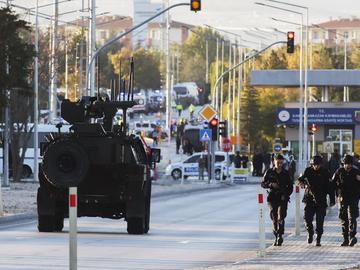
146,64
193,54
18,52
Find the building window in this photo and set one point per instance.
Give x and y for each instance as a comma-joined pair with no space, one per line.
342,140
316,35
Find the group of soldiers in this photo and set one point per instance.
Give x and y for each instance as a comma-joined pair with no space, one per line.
318,183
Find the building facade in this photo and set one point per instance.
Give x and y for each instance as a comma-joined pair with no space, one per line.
334,32
337,126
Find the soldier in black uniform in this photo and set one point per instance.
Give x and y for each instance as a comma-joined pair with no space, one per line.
316,181
278,181
347,183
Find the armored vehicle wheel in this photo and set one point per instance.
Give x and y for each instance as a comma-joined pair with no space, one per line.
26,171
135,225
65,163
147,207
176,174
45,223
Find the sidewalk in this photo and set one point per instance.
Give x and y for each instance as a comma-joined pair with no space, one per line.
297,254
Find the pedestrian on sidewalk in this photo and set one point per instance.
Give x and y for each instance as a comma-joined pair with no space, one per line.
202,166
315,180
347,184
278,181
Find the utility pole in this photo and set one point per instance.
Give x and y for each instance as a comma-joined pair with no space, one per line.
207,62
168,83
81,59
36,96
229,92
222,81
238,146
216,94
53,74
92,47
234,92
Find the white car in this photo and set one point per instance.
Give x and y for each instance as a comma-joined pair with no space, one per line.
190,166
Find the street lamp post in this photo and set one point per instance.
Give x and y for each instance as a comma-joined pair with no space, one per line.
302,130
306,97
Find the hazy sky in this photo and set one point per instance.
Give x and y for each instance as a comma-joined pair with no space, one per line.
227,14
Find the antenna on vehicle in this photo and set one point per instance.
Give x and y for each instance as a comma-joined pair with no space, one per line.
131,81
120,83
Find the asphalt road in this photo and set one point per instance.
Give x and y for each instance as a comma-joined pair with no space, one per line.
187,231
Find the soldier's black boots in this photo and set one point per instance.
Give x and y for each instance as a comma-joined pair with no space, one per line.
310,238
318,240
353,241
275,242
345,243
280,240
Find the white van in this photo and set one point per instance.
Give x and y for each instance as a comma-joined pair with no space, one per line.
28,165
187,89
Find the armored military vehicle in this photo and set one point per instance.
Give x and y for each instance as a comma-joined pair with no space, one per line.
111,168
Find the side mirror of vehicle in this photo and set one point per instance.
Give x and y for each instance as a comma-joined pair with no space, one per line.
155,155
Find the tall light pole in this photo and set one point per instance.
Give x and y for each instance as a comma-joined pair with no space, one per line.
215,101
53,71
302,130
306,96
92,46
222,80
36,95
168,83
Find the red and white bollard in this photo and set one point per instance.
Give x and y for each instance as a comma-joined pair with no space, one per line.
262,244
73,228
297,210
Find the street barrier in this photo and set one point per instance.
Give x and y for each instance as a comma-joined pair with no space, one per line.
297,210
262,244
239,175
73,228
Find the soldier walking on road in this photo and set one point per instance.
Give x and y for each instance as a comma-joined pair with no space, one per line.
278,181
316,181
347,184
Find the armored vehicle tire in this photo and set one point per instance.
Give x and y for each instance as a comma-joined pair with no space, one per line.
176,174
147,207
58,222
26,171
65,163
45,223
135,225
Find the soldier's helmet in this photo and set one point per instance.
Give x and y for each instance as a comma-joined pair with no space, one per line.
348,159
316,160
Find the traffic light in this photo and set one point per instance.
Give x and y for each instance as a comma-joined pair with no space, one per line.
195,5
290,42
214,125
223,128
312,129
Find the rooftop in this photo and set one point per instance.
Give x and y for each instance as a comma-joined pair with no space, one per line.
341,23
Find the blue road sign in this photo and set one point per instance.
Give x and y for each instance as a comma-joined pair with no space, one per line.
277,148
205,135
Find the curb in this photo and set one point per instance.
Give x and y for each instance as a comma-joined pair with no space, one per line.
17,217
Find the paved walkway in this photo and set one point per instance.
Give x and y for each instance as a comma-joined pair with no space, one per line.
297,254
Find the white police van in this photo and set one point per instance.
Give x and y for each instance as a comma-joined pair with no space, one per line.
190,166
